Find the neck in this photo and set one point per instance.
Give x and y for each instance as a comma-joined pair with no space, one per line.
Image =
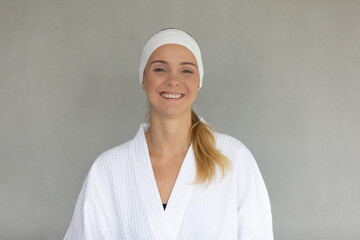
168,136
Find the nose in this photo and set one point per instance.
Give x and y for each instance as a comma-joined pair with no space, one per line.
173,79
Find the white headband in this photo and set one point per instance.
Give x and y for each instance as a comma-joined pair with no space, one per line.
171,36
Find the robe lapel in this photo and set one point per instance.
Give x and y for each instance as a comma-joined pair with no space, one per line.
165,224
181,193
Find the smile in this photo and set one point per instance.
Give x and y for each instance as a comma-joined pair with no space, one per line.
171,95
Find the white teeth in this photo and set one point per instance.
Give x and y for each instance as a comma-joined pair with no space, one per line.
171,95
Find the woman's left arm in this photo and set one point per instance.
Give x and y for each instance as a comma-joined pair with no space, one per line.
253,209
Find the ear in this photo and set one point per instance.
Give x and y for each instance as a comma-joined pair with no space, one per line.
142,84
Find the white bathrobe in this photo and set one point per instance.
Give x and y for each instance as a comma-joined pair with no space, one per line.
120,199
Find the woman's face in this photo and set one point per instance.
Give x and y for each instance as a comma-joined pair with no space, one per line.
171,80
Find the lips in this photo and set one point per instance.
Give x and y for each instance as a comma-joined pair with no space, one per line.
171,95
171,92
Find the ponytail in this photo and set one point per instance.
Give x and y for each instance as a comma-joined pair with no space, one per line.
206,154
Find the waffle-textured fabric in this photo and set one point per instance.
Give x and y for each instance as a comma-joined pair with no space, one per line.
120,199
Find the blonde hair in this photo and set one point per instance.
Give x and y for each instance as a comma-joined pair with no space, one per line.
206,154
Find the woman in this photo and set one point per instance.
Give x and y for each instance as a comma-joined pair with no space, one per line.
177,179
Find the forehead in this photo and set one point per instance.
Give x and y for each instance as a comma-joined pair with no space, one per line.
172,50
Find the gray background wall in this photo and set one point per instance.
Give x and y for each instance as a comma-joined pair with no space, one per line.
281,76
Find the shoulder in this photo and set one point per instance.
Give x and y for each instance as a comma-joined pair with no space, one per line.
113,157
230,145
237,152
120,150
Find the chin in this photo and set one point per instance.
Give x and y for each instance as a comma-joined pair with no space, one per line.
173,113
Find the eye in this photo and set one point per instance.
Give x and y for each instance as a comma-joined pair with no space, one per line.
159,70
187,71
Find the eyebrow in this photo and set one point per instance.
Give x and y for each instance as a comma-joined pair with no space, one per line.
164,62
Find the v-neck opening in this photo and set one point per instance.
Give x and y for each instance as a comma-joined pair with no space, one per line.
164,223
145,128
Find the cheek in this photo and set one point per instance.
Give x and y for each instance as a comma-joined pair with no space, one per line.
150,82
196,80
192,90
193,84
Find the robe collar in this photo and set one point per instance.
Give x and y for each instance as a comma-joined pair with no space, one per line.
165,224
